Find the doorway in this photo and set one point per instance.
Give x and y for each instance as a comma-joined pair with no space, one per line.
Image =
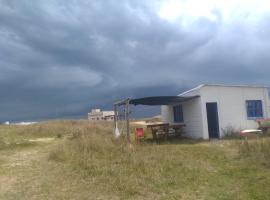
212,119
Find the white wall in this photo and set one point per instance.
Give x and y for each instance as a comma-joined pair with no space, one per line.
232,105
192,117
231,102
167,114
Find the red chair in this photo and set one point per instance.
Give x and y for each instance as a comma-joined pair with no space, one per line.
139,133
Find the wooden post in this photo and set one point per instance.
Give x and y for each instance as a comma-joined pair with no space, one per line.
127,120
125,103
115,116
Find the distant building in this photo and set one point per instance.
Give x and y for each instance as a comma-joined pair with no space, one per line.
97,114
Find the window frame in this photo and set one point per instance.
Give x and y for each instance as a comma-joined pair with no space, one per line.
257,104
176,109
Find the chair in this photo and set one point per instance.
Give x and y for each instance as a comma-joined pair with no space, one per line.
139,133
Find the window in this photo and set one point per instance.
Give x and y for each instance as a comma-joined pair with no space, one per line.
178,114
254,109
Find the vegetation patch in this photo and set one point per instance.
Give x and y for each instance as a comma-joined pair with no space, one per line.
256,151
187,169
86,162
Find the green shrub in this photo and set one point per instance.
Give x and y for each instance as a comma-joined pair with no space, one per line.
230,132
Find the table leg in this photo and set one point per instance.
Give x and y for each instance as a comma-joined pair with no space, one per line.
154,134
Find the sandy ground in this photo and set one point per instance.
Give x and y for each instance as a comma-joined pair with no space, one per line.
18,166
27,173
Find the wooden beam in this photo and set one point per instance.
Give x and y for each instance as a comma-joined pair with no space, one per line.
115,116
125,103
121,102
127,120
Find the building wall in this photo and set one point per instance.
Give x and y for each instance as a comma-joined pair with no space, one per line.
192,117
231,101
167,114
97,115
107,113
232,106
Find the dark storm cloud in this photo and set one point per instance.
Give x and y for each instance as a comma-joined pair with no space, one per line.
60,58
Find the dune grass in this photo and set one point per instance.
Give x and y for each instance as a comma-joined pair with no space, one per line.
256,151
13,136
86,162
186,169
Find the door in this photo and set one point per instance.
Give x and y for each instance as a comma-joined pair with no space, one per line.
212,120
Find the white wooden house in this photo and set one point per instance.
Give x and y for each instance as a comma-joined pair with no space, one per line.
217,108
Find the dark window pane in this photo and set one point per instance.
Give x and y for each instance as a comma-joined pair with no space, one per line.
178,113
254,108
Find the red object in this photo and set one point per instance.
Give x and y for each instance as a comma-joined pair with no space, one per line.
139,132
243,133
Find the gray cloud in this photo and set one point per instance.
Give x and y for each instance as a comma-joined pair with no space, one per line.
60,58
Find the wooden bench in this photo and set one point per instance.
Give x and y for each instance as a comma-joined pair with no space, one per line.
164,130
159,130
178,128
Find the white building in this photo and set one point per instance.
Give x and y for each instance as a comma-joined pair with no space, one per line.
97,114
216,108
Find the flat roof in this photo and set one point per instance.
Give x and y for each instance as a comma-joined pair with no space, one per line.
161,100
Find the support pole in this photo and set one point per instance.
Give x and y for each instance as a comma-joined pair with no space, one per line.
127,120
115,116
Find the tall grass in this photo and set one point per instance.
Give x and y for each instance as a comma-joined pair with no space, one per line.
231,132
178,169
256,150
92,151
13,136
167,170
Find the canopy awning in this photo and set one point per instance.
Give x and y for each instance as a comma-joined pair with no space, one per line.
161,100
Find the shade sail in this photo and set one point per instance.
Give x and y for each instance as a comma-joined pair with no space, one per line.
161,100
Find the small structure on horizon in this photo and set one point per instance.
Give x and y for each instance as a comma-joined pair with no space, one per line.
99,115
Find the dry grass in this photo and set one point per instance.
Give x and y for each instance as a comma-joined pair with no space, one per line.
88,163
256,151
15,136
186,169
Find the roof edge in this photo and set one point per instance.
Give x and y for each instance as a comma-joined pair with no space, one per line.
221,85
235,85
191,90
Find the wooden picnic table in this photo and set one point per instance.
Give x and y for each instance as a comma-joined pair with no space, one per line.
163,129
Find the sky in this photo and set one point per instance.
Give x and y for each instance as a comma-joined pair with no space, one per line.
60,58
